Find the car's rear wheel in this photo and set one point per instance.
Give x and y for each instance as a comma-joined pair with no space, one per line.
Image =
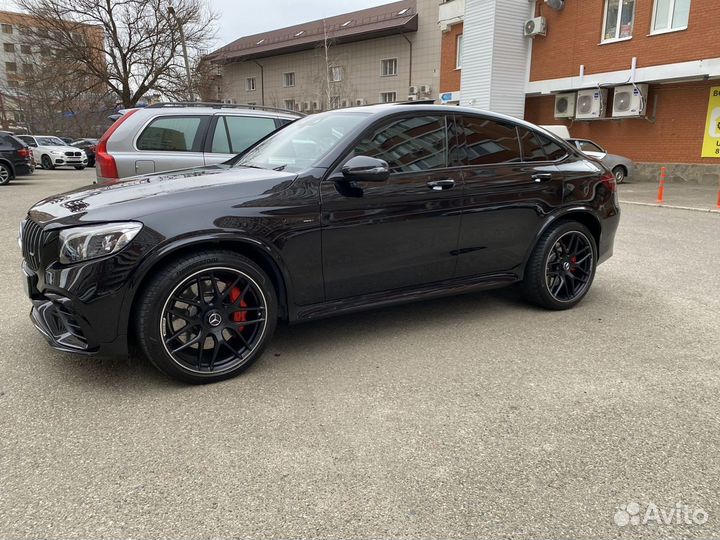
5,174
562,266
47,163
206,317
619,173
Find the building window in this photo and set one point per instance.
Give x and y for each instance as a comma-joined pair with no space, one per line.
250,84
336,73
388,97
11,66
25,49
670,15
289,79
458,52
388,67
9,47
290,104
334,102
6,28
619,18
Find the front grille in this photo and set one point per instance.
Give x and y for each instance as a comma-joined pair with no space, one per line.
73,154
32,236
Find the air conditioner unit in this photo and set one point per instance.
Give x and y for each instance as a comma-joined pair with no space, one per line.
413,97
413,90
565,105
591,104
535,27
315,105
425,89
630,100
229,101
345,103
360,102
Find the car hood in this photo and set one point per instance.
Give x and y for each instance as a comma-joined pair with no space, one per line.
58,148
139,196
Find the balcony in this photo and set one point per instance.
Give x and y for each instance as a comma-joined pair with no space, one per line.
450,12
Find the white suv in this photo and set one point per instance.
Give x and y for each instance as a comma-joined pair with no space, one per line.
171,136
50,152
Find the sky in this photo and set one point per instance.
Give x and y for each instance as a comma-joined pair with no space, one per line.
271,14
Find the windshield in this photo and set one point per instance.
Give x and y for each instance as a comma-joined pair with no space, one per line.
302,144
49,141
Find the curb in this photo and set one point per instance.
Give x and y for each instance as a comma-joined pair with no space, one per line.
672,207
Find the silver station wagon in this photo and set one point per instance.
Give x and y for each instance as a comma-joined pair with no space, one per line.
171,136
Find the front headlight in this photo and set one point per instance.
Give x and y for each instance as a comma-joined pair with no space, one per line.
83,243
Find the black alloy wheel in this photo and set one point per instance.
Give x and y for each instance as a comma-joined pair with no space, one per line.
5,174
207,317
562,266
47,163
569,266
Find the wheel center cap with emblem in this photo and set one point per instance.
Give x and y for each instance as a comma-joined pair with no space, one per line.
214,319
566,266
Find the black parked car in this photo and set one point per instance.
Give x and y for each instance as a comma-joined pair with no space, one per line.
340,211
89,145
15,158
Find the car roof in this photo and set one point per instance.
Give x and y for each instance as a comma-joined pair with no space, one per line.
213,108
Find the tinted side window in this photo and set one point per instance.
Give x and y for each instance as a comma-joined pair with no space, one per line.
532,150
6,142
245,131
489,142
220,142
29,140
172,134
408,144
553,151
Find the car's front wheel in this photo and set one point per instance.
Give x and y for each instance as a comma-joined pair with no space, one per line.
5,174
47,163
562,266
207,316
619,173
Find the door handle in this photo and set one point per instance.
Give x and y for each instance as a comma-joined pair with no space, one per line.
541,177
440,185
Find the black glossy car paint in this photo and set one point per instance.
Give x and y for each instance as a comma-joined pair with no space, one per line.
329,247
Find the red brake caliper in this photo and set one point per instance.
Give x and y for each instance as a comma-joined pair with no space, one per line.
573,260
238,316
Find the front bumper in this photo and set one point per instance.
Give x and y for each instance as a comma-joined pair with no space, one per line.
72,320
67,160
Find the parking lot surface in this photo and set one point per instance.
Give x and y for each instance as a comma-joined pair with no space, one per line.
469,417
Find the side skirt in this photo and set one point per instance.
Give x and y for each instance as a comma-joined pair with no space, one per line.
388,298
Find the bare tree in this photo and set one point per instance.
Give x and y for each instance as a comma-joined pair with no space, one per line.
332,90
129,46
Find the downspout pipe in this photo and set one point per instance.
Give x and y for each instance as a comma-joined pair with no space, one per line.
262,82
410,77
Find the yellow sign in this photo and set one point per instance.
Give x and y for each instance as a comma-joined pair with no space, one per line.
711,142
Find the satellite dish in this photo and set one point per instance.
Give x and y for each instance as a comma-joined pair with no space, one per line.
555,4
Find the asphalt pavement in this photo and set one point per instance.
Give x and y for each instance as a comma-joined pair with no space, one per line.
469,417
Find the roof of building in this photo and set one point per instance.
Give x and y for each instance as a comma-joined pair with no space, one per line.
379,21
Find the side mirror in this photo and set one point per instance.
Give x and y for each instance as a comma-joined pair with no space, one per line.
366,169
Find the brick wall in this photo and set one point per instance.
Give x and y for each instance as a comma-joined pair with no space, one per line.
449,76
675,137
574,35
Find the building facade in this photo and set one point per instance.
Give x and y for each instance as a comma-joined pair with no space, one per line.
663,50
383,54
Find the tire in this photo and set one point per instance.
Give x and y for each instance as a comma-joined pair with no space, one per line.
236,317
47,163
5,174
553,278
80,167
619,173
